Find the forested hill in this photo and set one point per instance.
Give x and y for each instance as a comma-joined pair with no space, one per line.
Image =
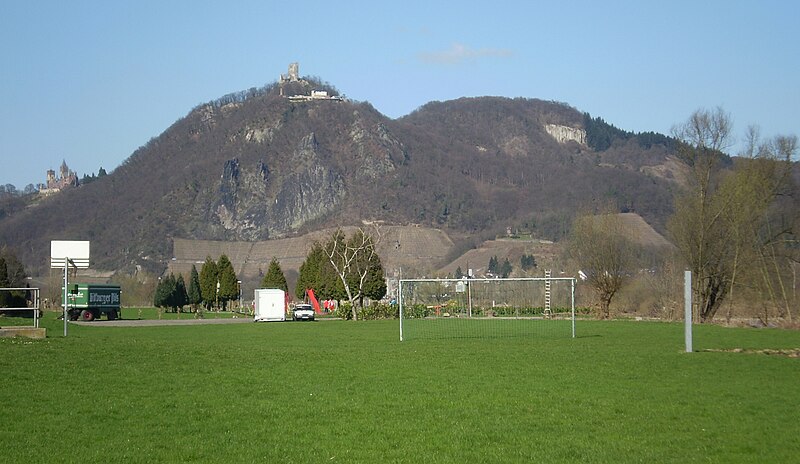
256,165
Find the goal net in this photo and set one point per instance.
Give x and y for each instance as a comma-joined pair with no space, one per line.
487,308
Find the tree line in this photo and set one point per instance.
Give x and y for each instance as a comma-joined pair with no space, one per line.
527,262
735,226
214,287
600,135
340,268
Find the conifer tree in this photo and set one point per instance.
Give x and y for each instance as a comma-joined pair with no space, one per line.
317,273
274,277
165,292
179,298
193,296
3,283
208,282
492,267
375,283
228,284
506,268
159,300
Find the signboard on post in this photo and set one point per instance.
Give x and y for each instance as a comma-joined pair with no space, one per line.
75,251
66,253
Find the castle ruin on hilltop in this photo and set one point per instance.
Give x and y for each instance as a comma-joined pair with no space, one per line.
293,76
67,178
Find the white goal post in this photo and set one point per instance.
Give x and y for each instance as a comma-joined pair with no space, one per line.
493,307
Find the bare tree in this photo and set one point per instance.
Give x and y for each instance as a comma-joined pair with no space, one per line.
728,217
759,221
696,226
354,262
601,248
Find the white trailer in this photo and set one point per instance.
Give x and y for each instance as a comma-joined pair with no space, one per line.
270,305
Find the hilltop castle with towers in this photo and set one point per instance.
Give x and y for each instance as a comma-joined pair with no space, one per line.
66,178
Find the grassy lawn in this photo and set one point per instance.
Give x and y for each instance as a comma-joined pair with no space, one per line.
338,391
152,313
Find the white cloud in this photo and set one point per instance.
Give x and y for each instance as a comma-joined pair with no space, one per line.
459,53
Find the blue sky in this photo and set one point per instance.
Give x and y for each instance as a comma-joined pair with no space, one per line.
90,81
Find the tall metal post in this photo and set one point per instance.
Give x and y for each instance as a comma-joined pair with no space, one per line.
573,306
400,302
66,281
687,309
469,297
36,303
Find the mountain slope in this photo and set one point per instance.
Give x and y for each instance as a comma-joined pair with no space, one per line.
259,166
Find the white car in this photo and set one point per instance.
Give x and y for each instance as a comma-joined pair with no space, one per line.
303,312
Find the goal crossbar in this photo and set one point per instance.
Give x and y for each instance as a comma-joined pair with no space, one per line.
467,283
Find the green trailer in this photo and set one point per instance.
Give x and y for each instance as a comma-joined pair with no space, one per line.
88,302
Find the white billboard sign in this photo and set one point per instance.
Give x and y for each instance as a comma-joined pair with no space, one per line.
76,251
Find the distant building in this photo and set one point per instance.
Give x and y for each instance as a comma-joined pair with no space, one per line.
66,178
294,74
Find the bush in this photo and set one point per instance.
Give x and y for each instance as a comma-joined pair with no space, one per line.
378,310
417,311
374,311
343,311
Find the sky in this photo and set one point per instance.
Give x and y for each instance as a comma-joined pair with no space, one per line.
88,82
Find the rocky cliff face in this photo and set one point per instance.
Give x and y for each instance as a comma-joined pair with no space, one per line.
310,191
252,205
374,149
564,134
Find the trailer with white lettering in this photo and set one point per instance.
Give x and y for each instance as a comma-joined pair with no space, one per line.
88,302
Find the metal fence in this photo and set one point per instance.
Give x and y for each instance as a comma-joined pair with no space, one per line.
32,300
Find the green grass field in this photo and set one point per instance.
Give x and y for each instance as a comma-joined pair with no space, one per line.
335,391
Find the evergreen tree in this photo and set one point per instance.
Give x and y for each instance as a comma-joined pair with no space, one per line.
527,262
600,135
170,284
180,298
158,296
308,272
228,284
506,269
375,283
459,273
208,282
193,296
318,274
492,267
15,271
12,275
164,290
4,282
274,277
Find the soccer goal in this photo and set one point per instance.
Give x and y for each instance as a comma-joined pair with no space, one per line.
487,308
